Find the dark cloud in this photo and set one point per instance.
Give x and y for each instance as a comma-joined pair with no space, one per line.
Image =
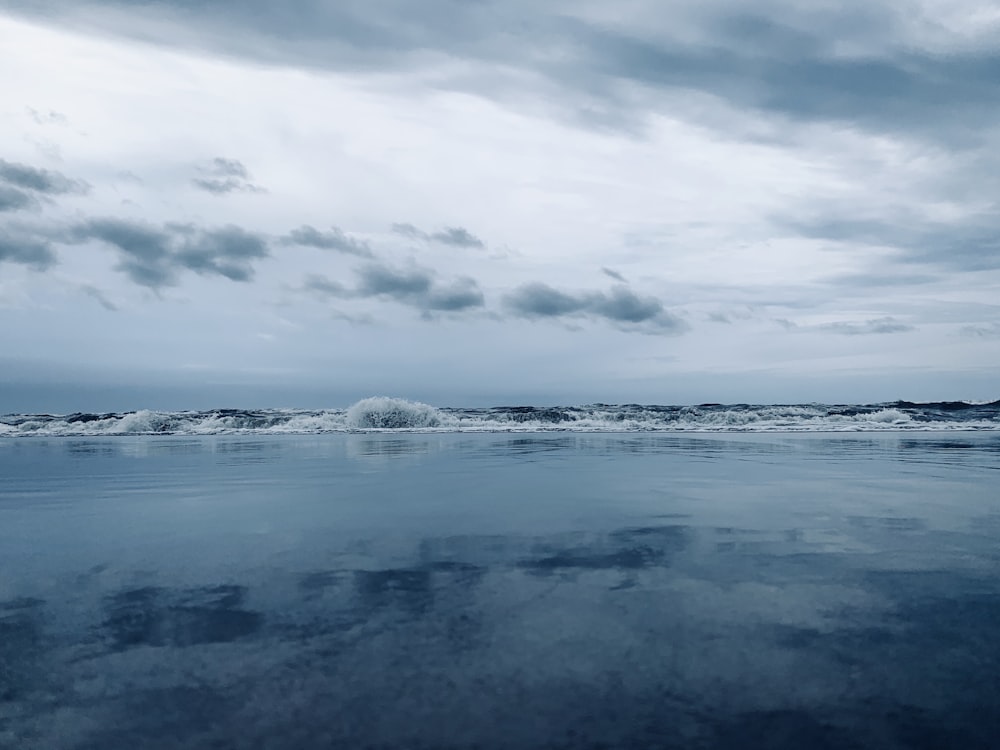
28,251
454,236
408,230
153,256
457,236
613,274
972,245
462,294
415,287
334,239
377,279
874,326
145,250
12,199
220,186
620,306
625,306
756,60
224,176
537,300
227,251
96,294
784,58
39,180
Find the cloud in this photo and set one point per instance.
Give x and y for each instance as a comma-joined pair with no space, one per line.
229,168
408,230
986,331
28,251
457,236
96,294
613,274
227,251
47,118
145,250
415,287
38,180
537,300
153,256
875,65
462,294
873,326
226,176
323,285
620,306
625,306
334,239
972,244
454,236
376,280
859,64
12,199
862,280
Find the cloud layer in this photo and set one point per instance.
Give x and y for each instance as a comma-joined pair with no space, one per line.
891,67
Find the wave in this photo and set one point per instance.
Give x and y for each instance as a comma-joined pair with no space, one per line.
380,414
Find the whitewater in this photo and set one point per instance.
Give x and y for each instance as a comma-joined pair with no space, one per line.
380,414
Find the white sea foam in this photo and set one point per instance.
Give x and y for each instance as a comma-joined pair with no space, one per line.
887,416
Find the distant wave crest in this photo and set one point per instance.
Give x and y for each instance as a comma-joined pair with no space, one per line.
382,413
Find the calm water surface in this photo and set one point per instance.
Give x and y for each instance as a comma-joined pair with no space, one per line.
499,591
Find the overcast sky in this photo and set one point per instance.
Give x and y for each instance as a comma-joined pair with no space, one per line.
250,203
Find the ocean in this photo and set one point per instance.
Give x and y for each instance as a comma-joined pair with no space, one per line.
397,576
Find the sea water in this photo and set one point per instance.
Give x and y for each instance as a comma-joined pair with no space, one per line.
449,589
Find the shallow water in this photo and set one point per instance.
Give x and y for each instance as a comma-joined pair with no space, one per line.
500,591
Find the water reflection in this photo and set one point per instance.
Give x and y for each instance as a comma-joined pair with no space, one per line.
247,451
684,642
622,550
91,448
811,592
20,648
390,451
151,616
888,523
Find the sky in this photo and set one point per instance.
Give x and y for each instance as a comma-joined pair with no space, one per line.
478,202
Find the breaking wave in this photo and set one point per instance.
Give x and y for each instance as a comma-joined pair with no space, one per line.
381,413
391,413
